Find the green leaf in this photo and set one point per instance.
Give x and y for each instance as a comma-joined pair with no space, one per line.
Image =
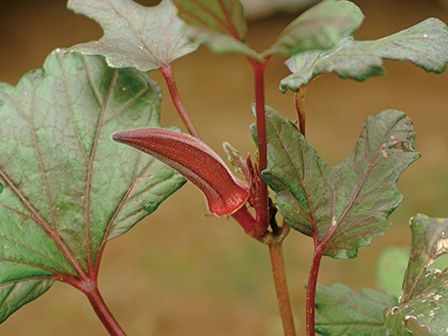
219,24
222,44
344,207
68,187
16,294
423,305
321,27
391,269
224,16
342,311
145,38
425,44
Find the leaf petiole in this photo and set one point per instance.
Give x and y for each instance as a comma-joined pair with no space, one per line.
299,98
102,311
311,291
167,73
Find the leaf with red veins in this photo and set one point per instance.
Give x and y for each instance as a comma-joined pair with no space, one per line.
135,36
347,206
224,16
319,28
218,24
196,161
66,187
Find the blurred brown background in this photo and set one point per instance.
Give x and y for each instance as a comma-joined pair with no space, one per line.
181,272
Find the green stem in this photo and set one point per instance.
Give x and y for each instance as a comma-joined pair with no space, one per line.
281,286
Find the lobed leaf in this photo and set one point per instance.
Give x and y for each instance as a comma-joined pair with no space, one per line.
343,207
14,295
145,38
321,27
423,305
67,187
219,24
342,311
220,43
224,16
425,44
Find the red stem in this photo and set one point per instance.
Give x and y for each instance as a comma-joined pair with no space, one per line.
262,197
175,96
90,289
245,219
311,290
300,109
262,204
318,246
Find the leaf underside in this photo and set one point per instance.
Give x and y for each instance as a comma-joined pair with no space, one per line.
145,38
219,24
423,306
67,187
343,207
425,45
224,16
319,28
343,312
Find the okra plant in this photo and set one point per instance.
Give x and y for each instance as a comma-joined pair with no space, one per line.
71,181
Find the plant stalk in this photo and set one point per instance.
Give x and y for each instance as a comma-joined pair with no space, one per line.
175,96
300,109
281,286
101,310
245,219
262,205
262,197
311,291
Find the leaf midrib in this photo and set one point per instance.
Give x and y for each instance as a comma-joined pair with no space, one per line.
42,223
334,229
217,18
139,34
37,252
296,170
89,172
121,205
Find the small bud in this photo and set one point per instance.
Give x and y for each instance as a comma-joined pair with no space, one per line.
196,161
